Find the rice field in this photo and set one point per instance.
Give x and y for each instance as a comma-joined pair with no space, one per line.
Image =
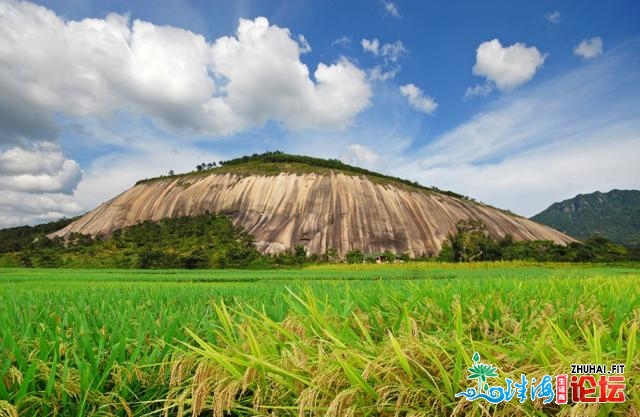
364,340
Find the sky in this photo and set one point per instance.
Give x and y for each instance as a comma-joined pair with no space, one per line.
516,104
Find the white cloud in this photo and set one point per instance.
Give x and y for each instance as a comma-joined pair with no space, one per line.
478,90
381,73
391,9
554,17
418,100
529,182
267,81
391,52
93,71
589,48
359,155
35,184
304,45
543,144
507,67
43,168
19,208
342,41
372,46
94,67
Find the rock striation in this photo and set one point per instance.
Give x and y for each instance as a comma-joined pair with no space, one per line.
318,210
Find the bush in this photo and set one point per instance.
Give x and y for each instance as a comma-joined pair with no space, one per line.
355,256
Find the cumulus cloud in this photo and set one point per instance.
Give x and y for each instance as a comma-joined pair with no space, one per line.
19,126
553,17
417,99
43,168
19,208
93,67
507,67
589,48
36,183
96,69
266,80
391,9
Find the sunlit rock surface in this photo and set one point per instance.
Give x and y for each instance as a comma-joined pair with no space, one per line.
319,211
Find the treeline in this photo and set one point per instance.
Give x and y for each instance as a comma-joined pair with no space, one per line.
212,241
15,239
471,242
281,157
206,241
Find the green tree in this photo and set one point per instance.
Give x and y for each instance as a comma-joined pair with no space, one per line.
470,242
446,253
354,256
300,254
24,259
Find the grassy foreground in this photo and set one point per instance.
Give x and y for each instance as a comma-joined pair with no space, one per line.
373,340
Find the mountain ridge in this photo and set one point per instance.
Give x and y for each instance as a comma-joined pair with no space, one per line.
614,215
274,163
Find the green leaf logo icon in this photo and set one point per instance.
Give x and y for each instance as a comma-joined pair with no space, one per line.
481,371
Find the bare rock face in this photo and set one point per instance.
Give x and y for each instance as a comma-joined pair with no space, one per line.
319,211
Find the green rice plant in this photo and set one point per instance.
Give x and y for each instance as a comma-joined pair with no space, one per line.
7,410
406,372
338,340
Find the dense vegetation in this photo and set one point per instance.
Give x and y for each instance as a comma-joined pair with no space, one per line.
206,241
199,242
277,161
472,242
211,241
15,239
361,340
614,215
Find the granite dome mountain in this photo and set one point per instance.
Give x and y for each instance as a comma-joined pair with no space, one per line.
287,200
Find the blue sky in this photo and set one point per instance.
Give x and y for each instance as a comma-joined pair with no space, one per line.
517,104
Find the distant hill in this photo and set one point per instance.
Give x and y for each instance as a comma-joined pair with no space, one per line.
614,215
